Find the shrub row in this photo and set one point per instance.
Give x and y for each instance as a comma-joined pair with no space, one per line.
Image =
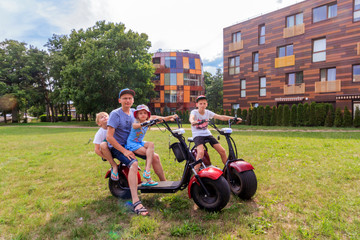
60,118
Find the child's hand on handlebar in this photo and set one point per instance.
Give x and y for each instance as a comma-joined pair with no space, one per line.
237,120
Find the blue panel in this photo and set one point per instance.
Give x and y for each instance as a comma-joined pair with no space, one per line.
173,70
192,63
179,62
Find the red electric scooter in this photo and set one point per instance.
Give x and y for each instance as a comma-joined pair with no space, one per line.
208,188
239,174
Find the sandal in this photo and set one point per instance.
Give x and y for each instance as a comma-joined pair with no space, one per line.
146,174
114,176
140,210
149,183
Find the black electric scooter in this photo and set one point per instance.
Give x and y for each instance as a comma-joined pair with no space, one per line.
239,173
208,188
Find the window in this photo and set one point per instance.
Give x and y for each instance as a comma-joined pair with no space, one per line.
234,65
235,106
293,20
356,73
285,51
156,77
236,37
173,96
356,10
167,79
319,50
167,96
192,63
156,60
327,74
173,79
191,79
170,62
243,88
294,78
255,59
262,34
324,12
262,90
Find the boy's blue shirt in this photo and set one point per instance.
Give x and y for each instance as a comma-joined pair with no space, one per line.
122,124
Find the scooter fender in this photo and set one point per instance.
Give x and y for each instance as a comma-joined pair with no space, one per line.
240,166
125,171
210,172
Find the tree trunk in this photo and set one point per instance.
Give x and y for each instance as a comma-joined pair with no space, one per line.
5,120
15,114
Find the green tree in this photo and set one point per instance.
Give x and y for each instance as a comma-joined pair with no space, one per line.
260,115
338,121
357,118
267,116
214,89
249,116
306,114
312,114
320,113
300,115
286,115
254,116
293,115
244,115
103,59
279,117
348,122
329,120
273,116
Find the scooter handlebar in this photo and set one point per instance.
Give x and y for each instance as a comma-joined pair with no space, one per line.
150,123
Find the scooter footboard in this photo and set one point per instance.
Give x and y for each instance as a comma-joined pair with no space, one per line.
212,173
240,166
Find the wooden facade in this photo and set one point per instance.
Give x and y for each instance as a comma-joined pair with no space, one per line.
342,37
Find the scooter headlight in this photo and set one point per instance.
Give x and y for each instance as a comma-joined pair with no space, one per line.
179,131
226,130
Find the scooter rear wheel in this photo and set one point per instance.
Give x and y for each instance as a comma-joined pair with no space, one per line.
243,184
117,187
219,194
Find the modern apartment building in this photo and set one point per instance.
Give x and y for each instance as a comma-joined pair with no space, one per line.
309,51
178,80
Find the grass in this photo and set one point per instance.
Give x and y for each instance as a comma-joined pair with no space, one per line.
52,187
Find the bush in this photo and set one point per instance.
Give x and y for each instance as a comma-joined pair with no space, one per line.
312,114
260,115
43,118
279,117
293,115
329,120
300,114
306,114
286,116
348,122
338,118
254,117
273,116
244,115
248,117
320,112
267,116
357,118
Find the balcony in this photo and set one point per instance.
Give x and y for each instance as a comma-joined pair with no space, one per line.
294,31
285,61
236,46
155,100
328,86
294,89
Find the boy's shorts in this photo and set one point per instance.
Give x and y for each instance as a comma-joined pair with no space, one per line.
121,157
205,139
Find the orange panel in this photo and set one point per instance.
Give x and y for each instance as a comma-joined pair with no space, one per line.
180,79
192,71
173,54
157,105
173,87
197,63
187,88
166,87
186,62
198,71
186,95
161,79
162,96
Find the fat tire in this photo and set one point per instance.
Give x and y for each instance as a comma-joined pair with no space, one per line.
243,184
116,190
219,194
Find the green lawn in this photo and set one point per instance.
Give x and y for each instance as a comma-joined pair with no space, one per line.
52,187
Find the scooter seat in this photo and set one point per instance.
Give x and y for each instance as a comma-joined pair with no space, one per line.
190,139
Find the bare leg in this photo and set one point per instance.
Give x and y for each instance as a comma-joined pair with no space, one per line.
106,152
200,154
158,169
147,150
132,179
221,151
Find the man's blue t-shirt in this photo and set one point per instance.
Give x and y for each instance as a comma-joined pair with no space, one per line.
122,124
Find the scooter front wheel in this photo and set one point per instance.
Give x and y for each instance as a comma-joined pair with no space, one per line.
120,189
219,194
243,184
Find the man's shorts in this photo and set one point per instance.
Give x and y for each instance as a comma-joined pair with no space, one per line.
121,157
205,139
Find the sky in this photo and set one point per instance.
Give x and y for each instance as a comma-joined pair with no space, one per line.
196,25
